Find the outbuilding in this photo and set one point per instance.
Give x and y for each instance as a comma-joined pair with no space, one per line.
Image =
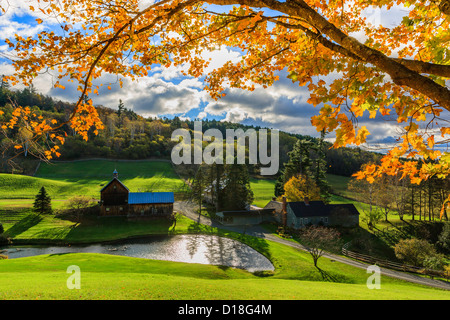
117,200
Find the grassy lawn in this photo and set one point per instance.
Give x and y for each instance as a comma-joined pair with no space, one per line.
64,180
339,184
48,228
343,195
115,277
263,191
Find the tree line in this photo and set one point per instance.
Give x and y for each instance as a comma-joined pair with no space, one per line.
225,186
127,135
389,194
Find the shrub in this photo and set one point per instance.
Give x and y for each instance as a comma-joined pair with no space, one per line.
414,251
4,240
444,238
435,262
264,273
78,207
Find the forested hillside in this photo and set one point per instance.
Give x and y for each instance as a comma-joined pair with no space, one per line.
128,135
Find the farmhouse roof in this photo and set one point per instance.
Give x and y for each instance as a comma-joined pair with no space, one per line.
112,182
320,209
275,205
150,197
246,213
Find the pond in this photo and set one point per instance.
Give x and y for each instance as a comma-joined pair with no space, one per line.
203,249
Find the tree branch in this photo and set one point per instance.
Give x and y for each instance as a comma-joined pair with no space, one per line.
399,72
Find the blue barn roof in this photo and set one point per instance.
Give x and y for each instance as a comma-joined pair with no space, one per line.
150,197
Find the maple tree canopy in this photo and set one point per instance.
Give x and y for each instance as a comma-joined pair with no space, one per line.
398,71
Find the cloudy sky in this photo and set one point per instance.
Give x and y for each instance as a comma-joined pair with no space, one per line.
166,92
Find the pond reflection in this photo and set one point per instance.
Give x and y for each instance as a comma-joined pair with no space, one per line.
203,249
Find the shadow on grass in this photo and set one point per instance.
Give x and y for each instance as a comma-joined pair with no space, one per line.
60,254
326,276
23,225
117,228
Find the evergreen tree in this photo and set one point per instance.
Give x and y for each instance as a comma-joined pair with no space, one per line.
299,164
321,169
237,192
42,202
198,187
279,186
214,175
120,112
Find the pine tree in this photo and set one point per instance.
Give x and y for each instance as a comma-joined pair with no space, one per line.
198,186
120,112
214,175
299,164
42,202
321,169
237,192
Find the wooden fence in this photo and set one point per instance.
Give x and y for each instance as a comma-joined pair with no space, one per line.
392,265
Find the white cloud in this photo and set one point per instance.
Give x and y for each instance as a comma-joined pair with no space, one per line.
191,83
167,91
9,28
219,57
202,115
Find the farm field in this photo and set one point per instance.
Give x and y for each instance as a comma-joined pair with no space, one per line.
115,277
66,179
263,191
63,180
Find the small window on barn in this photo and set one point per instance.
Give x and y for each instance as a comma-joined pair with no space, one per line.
121,209
107,209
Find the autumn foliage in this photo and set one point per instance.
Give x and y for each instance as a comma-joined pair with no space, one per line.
300,187
396,71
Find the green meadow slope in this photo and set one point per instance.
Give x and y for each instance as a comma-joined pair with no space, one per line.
66,179
115,277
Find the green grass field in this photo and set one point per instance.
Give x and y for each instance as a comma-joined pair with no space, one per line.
64,180
263,191
115,277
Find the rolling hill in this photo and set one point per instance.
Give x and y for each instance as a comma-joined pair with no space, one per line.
66,179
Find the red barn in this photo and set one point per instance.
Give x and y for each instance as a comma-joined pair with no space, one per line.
117,200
